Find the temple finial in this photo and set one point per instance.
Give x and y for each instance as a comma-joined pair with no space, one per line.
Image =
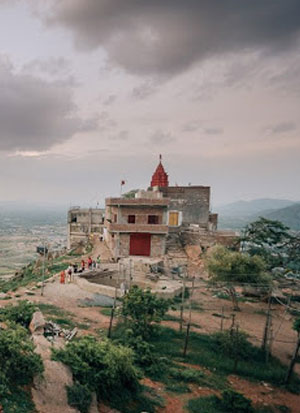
160,158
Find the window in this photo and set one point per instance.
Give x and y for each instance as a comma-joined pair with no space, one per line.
115,218
153,219
173,219
131,219
73,218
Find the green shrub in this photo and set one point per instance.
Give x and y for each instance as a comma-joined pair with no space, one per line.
208,404
20,313
231,402
18,362
234,344
79,397
235,402
104,367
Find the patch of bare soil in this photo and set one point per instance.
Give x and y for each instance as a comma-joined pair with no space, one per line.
175,403
265,394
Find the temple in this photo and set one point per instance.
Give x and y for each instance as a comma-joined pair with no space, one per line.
160,177
156,223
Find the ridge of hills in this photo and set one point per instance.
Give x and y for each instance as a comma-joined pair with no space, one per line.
238,214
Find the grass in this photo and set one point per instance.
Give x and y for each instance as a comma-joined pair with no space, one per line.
211,404
49,309
65,322
57,315
31,275
18,401
106,311
203,351
204,404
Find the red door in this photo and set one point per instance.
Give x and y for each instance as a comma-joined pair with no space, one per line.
140,244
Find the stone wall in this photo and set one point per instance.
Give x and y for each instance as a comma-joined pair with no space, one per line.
192,201
158,245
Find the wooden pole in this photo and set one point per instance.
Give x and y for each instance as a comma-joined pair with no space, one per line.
293,361
114,304
222,319
187,336
182,303
267,325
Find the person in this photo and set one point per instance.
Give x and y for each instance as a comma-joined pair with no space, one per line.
98,261
82,265
90,262
62,277
94,264
69,272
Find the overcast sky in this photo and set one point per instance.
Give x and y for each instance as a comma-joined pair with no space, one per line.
92,91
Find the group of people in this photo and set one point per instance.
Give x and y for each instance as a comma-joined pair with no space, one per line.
68,274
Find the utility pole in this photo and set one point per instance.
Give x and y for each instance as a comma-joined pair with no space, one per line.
293,361
43,271
222,319
114,304
182,302
187,336
130,272
267,326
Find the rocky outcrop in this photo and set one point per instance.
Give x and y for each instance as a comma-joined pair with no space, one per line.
37,323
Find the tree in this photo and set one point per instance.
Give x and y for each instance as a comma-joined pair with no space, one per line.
296,327
268,239
233,268
141,309
234,344
130,194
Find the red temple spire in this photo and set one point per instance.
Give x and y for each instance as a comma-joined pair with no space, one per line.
160,177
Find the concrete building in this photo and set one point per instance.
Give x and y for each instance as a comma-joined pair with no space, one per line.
82,223
189,205
137,226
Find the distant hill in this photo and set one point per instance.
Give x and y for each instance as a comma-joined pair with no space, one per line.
238,214
290,216
247,208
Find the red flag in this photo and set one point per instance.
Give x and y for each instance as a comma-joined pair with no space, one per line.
123,182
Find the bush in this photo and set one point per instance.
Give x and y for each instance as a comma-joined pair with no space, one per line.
20,313
18,362
234,344
103,367
235,402
230,402
79,397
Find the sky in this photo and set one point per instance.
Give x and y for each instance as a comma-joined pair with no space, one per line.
92,91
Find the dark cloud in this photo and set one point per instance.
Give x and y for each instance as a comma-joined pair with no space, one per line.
282,127
121,136
53,66
144,90
161,138
110,100
191,126
35,114
167,36
213,131
195,126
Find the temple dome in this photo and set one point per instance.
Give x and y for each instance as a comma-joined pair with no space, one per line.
160,177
